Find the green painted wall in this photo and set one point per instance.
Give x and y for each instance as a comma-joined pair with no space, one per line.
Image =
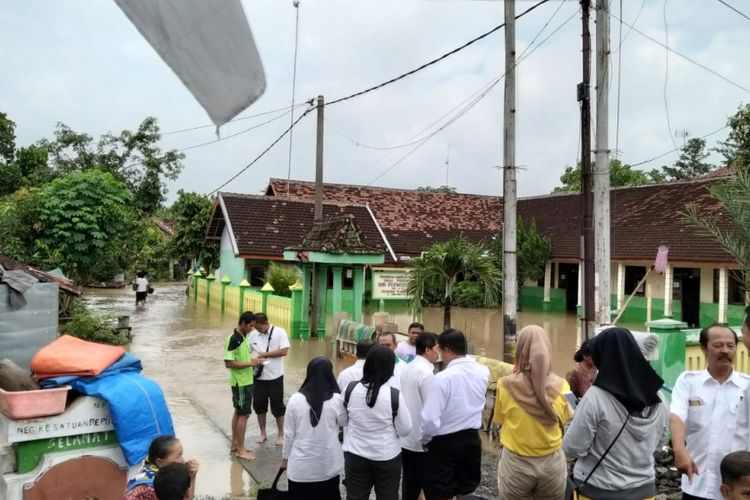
532,297
231,266
30,453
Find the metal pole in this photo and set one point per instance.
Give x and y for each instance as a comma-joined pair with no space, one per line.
318,216
587,229
601,177
295,3
510,279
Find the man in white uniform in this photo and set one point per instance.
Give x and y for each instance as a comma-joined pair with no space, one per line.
269,343
354,372
709,415
388,339
407,350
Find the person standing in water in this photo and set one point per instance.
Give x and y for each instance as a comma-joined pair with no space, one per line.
141,289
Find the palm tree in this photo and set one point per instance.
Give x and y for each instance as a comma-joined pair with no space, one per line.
732,232
444,264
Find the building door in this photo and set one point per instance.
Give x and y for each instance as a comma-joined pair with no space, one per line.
568,280
688,292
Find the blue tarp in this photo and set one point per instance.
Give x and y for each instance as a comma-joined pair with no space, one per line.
137,405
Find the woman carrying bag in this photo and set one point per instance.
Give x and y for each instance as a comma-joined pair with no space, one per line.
619,423
312,453
531,408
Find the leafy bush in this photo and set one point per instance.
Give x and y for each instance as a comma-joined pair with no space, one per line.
469,294
281,277
92,327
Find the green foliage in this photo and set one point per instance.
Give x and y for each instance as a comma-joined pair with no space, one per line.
7,139
92,327
733,235
19,227
469,294
691,164
81,216
281,277
620,174
190,214
440,189
736,149
447,263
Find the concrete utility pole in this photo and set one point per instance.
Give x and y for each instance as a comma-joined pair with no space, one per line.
587,202
318,216
601,177
510,278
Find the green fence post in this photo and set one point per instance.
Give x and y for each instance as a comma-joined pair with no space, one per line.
671,360
244,285
225,281
265,292
297,309
210,279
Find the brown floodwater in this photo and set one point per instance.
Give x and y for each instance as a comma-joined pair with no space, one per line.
180,344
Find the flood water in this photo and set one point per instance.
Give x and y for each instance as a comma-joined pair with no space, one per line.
180,344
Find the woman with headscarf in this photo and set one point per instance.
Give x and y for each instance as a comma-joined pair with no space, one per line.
312,453
531,409
583,374
377,416
619,423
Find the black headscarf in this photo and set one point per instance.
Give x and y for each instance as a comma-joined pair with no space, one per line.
319,386
623,371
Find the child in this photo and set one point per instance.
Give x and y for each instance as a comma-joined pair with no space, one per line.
735,476
172,482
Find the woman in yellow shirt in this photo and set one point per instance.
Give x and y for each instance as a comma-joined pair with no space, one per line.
531,408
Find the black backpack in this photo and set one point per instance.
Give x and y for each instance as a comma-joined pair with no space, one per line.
394,398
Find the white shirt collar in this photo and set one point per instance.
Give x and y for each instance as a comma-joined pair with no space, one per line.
734,378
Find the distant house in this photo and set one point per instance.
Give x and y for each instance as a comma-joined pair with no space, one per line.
701,285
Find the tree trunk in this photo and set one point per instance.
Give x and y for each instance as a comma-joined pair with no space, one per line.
447,315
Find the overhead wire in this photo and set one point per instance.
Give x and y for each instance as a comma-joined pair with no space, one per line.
619,86
527,52
294,89
638,164
241,118
436,60
666,76
630,30
734,9
683,56
263,153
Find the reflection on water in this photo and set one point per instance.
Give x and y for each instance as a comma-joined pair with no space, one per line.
180,344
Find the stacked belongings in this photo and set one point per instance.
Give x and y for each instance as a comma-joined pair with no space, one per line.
137,405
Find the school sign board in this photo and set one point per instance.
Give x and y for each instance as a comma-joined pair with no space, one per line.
390,284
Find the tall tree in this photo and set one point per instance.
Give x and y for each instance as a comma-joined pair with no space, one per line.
190,214
620,174
736,149
733,233
691,163
440,189
444,264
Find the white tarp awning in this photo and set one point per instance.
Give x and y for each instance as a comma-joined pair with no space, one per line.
210,47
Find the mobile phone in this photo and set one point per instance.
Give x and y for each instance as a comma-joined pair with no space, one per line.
572,399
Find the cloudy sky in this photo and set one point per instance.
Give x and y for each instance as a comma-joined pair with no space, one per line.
84,64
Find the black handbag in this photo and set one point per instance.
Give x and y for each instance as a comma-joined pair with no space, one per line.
572,488
273,493
258,370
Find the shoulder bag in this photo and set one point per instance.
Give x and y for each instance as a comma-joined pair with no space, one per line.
258,370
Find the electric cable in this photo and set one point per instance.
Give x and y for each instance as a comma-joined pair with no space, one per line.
676,149
294,89
666,76
241,118
735,9
630,30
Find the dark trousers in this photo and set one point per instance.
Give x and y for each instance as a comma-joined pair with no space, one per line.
685,496
362,474
453,464
414,469
321,490
272,390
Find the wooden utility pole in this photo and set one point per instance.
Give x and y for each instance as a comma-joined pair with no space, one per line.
587,202
510,278
601,177
318,216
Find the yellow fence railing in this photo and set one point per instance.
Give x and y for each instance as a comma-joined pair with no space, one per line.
232,300
279,311
216,295
202,284
253,301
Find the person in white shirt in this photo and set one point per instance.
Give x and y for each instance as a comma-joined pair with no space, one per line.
416,380
709,415
388,339
312,453
376,417
407,349
141,289
269,343
354,372
451,419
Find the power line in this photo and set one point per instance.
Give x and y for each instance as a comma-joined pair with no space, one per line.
676,149
666,76
619,85
211,125
476,100
436,60
294,89
630,30
278,139
687,58
735,9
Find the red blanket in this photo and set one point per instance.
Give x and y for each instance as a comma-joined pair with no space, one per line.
71,356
